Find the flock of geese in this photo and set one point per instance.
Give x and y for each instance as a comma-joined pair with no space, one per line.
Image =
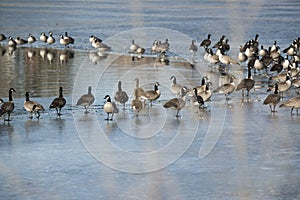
281,66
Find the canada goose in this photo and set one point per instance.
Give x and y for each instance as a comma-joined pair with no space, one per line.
213,58
201,88
20,41
151,95
86,100
206,94
63,40
196,99
242,56
246,84
286,85
2,37
92,37
291,51
71,39
136,103
273,99
32,106
220,42
43,37
133,47
121,96
227,59
7,107
226,88
193,47
175,87
262,51
259,64
140,50
110,107
50,39
138,91
293,102
59,102
157,47
277,67
11,42
100,45
31,39
206,42
177,103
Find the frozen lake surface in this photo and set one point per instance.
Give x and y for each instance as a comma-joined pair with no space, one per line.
230,150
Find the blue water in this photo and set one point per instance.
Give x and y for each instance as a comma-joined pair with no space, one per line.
230,151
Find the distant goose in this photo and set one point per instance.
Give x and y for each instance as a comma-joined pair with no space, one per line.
2,37
100,45
175,87
259,64
136,103
31,39
50,39
262,51
291,50
206,94
193,47
20,41
86,100
212,58
227,60
293,102
286,85
138,91
226,88
177,103
246,84
64,41
92,37
11,42
196,99
273,99
32,106
206,42
69,38
133,47
7,107
110,107
121,96
242,56
158,47
59,102
152,95
43,37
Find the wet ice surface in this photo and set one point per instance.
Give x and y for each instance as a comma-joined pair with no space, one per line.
256,154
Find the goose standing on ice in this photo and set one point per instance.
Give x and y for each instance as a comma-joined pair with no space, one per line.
110,107
121,96
136,103
50,39
227,88
152,95
43,37
177,103
272,99
206,42
138,91
59,102
175,87
31,39
293,102
86,100
32,106
8,107
246,84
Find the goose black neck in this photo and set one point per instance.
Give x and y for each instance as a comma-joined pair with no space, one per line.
10,95
90,90
27,96
119,86
60,92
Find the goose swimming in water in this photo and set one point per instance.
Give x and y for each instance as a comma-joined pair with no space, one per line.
59,102
7,107
32,106
110,107
121,96
86,100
